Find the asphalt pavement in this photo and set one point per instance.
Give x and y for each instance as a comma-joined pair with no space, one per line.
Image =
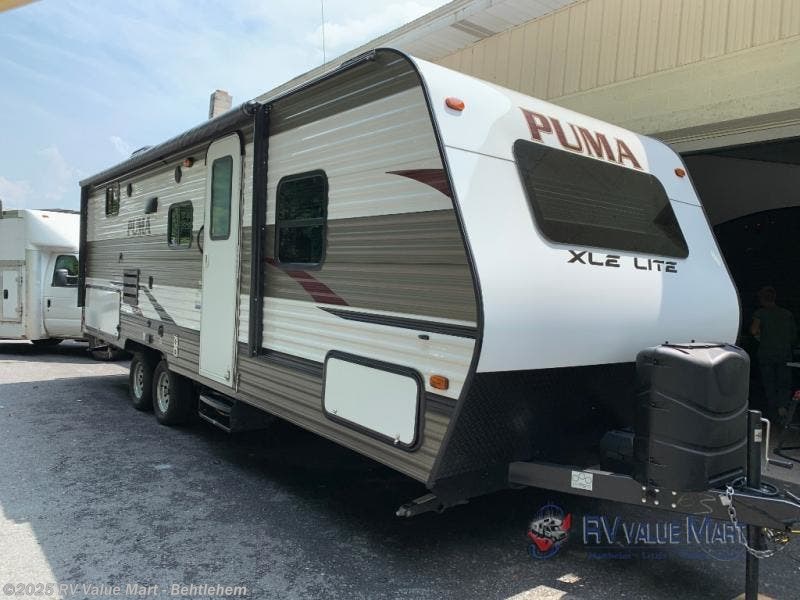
100,497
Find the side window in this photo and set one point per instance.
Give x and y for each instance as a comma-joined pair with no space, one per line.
221,181
179,225
112,200
68,263
301,213
588,202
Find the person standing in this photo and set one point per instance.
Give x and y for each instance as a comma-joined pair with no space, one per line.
776,331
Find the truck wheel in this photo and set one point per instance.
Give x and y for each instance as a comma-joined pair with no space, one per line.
173,396
140,382
47,342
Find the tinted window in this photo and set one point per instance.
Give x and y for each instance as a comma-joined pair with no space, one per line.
179,227
587,202
221,181
69,263
112,200
300,216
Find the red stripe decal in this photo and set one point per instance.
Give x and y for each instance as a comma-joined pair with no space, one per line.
318,291
432,177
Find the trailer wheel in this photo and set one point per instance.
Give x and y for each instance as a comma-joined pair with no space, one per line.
140,382
173,396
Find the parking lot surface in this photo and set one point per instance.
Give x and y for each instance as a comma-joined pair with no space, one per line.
95,493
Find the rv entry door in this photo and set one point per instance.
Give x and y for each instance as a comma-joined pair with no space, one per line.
220,260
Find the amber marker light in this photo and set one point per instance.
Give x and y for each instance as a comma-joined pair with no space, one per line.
188,162
680,172
454,103
439,382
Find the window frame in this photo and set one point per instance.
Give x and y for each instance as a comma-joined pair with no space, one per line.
211,234
112,194
324,219
55,268
541,221
178,205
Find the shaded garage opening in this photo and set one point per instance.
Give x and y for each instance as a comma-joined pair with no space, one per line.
752,197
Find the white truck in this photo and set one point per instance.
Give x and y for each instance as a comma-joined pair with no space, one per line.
39,276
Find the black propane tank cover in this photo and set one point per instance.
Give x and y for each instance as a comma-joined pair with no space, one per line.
690,426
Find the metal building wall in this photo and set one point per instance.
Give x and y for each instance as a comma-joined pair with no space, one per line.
673,67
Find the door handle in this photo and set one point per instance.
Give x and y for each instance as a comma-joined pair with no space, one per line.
48,303
5,294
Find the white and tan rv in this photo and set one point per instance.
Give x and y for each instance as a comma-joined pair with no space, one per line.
449,277
39,276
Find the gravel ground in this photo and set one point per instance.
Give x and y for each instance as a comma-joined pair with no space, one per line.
94,493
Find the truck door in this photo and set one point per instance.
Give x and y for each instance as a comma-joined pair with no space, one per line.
62,316
10,307
220,260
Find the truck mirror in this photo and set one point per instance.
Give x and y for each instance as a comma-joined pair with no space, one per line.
60,278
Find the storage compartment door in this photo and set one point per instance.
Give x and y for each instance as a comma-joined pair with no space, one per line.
10,307
380,399
102,310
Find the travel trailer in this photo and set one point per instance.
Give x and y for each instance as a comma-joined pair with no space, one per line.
39,276
474,287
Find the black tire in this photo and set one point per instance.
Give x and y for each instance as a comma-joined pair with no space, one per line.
47,342
173,396
140,382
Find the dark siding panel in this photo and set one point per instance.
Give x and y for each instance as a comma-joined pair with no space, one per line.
412,263
151,255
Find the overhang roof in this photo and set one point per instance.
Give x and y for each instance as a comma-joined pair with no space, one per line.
441,32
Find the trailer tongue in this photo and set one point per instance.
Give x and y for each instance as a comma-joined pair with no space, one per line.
695,449
770,514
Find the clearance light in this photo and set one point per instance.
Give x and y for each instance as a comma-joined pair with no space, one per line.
439,382
680,172
454,103
188,162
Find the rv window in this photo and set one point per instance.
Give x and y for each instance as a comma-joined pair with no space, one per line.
179,226
68,263
587,202
112,200
300,215
221,181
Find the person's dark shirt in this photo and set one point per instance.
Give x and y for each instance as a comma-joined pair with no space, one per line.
778,333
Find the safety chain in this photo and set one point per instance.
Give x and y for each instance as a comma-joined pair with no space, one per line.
774,536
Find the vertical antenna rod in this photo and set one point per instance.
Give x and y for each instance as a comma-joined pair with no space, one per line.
322,13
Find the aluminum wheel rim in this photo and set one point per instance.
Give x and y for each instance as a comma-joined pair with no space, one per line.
138,380
162,392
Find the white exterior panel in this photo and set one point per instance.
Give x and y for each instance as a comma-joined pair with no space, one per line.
102,310
541,311
380,401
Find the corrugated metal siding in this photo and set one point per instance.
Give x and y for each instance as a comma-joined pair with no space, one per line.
158,183
412,263
188,358
151,255
297,397
393,244
599,42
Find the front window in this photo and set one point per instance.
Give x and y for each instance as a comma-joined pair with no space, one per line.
587,202
68,263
